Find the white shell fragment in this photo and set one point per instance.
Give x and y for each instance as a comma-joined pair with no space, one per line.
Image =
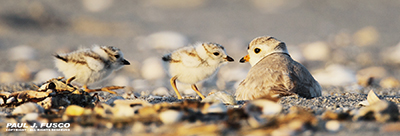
28,107
382,111
170,116
220,96
372,98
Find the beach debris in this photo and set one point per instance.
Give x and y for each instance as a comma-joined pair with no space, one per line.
220,97
29,107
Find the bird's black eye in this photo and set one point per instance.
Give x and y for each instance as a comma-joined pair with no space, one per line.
257,50
116,56
216,53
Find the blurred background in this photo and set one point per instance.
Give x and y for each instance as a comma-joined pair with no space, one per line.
341,42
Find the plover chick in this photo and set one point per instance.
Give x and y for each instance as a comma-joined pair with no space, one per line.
193,64
273,72
89,65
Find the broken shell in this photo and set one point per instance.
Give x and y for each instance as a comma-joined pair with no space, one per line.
217,108
11,100
220,96
332,126
28,107
372,98
170,116
382,111
74,110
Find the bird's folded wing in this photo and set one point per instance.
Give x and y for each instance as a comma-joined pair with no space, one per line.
190,59
94,64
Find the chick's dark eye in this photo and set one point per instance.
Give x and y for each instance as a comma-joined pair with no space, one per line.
216,53
257,50
116,56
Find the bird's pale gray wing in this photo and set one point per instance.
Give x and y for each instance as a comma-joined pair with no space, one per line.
307,86
264,80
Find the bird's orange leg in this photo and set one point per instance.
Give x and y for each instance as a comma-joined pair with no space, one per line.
173,84
105,89
194,87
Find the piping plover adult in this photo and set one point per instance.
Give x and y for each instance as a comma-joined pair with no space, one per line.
195,63
273,72
87,66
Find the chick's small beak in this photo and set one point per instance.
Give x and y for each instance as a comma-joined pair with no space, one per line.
125,62
245,59
229,58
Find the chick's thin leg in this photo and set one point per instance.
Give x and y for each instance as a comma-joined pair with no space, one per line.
173,84
194,87
105,89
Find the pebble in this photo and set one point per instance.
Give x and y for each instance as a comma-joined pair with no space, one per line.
167,40
335,75
30,117
161,91
28,107
121,80
217,108
366,76
97,5
366,36
389,82
332,126
21,53
170,116
152,69
45,74
317,51
74,111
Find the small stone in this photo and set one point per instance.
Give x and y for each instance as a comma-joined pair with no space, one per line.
161,91
333,126
28,107
22,52
367,76
152,69
45,74
97,5
366,36
317,51
74,110
30,117
217,108
166,40
389,82
170,116
336,75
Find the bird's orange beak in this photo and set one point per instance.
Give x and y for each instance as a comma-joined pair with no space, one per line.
245,59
